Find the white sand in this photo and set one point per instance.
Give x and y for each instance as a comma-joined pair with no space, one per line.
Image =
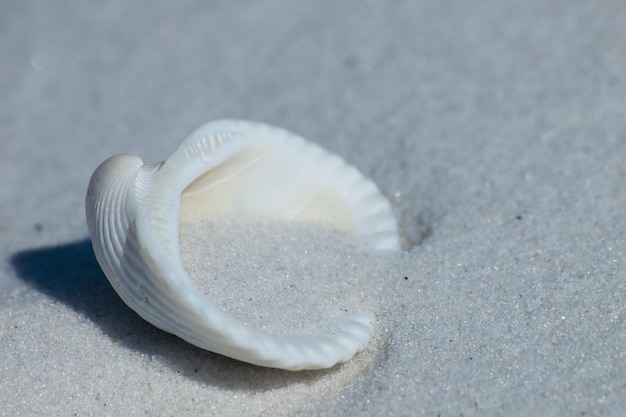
286,278
497,130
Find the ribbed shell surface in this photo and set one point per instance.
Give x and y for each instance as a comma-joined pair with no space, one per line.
132,214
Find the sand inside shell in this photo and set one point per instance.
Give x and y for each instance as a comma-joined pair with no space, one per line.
287,278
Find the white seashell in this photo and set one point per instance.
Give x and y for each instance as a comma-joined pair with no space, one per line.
234,168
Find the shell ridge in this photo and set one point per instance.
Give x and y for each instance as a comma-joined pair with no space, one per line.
344,177
363,196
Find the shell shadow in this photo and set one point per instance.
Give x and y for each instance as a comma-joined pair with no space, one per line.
414,229
71,274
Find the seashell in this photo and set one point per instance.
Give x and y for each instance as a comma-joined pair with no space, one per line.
228,168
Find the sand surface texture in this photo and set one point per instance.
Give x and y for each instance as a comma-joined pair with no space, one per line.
496,129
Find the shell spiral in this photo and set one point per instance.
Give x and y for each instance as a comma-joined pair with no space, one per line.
228,166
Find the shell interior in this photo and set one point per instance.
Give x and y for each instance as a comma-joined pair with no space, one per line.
257,182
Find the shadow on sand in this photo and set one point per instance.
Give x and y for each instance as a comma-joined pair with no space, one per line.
71,274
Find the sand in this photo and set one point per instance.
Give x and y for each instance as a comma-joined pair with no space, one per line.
496,129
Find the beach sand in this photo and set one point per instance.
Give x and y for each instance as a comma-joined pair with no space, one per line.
496,129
